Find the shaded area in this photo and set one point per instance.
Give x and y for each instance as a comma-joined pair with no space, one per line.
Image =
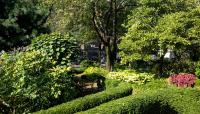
89,84
158,108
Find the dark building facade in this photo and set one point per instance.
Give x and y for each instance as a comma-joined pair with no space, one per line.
93,51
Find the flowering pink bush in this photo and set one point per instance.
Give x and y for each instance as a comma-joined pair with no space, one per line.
182,80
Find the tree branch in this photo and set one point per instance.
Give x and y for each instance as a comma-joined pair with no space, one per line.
108,15
123,4
98,24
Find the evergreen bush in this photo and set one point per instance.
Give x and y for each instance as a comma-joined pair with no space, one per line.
168,101
89,101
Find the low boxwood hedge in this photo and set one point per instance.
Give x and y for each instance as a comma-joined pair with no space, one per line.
110,83
169,101
90,101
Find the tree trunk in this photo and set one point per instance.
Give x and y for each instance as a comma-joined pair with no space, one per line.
109,58
160,68
107,32
100,55
114,27
114,50
111,52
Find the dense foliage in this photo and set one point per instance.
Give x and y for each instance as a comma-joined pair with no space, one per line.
197,70
110,83
90,101
126,75
152,27
183,80
89,63
131,77
41,75
20,21
156,26
95,71
61,49
28,82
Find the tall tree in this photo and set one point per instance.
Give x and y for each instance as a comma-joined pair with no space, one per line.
160,25
92,19
107,18
68,16
20,21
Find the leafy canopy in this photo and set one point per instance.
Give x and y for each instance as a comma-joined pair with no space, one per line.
20,21
160,25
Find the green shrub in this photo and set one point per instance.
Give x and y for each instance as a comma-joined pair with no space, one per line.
28,82
89,63
89,101
110,83
131,76
181,65
197,70
119,67
169,101
77,70
61,49
95,73
197,83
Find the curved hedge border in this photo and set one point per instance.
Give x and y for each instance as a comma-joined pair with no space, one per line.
173,101
90,101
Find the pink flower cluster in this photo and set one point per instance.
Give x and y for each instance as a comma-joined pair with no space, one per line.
183,80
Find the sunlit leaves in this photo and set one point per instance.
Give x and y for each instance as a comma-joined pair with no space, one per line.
60,48
29,82
160,24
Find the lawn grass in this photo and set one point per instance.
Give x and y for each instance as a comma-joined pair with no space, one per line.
158,84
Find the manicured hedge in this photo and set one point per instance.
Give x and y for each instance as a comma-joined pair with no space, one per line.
170,101
90,101
110,83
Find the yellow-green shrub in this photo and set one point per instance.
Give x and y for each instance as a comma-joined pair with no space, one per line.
95,73
96,70
28,82
131,76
